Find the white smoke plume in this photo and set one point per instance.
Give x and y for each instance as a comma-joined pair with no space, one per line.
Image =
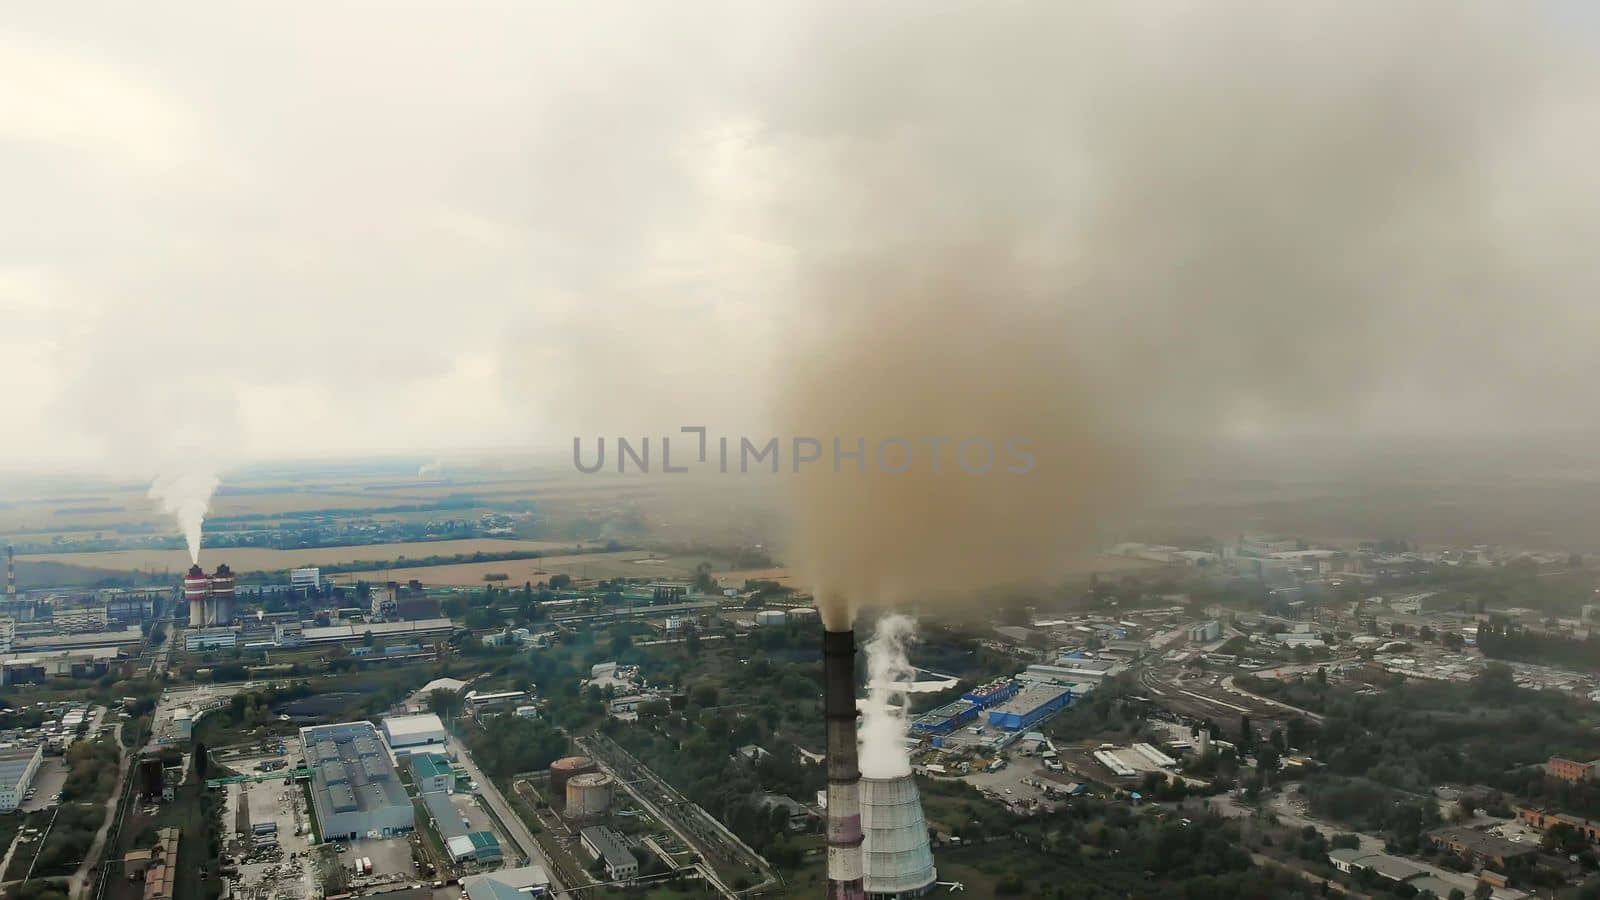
882,735
186,496
433,468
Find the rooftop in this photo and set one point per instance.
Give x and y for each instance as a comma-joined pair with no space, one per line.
610,846
420,723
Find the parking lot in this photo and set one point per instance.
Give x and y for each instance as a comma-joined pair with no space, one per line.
47,782
1019,784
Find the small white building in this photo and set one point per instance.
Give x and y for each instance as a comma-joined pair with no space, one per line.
419,730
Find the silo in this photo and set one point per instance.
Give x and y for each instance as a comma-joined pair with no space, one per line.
898,859
196,591
562,771
769,617
588,796
805,615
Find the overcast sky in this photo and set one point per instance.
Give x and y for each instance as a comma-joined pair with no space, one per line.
313,229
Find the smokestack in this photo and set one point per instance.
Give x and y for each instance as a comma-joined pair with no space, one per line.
11,573
222,596
196,590
845,868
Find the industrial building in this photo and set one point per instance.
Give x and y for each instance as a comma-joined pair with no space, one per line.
354,786
480,703
210,639
32,668
420,730
898,859
1572,771
1070,668
1480,849
993,693
1205,632
356,633
430,772
1031,705
306,581
17,767
507,884
605,844
946,718
481,847
464,843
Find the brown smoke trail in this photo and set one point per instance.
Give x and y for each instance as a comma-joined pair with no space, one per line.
1096,228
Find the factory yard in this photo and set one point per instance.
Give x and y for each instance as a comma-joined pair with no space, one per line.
275,866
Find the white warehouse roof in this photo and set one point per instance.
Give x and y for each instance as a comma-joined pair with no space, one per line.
407,731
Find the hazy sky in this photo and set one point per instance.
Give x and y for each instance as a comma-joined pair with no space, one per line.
324,228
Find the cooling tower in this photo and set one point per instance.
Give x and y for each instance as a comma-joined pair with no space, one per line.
221,596
196,590
898,859
844,773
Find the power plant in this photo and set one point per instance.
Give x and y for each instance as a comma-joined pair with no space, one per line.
210,597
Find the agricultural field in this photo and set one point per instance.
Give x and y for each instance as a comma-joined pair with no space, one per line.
255,559
621,564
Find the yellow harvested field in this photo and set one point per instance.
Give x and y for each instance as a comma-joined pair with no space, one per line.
255,559
623,564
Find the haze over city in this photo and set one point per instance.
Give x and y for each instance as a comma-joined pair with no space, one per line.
1106,449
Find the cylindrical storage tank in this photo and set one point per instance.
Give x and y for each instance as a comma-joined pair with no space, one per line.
588,796
898,859
806,615
769,617
222,595
196,589
562,771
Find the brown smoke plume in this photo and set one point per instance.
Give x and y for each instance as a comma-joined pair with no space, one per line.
1095,228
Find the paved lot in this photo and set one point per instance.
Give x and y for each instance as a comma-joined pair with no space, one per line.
47,782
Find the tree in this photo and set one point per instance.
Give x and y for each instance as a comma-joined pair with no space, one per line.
560,582
1246,735
444,703
1483,891
201,762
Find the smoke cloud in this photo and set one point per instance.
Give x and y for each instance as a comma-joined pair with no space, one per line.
882,733
1155,226
186,496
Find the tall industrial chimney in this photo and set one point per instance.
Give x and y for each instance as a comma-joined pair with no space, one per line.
222,596
845,864
11,574
196,590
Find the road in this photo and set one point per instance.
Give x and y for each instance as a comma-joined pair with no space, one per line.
80,878
513,822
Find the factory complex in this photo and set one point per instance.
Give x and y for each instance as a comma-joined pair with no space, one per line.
354,786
